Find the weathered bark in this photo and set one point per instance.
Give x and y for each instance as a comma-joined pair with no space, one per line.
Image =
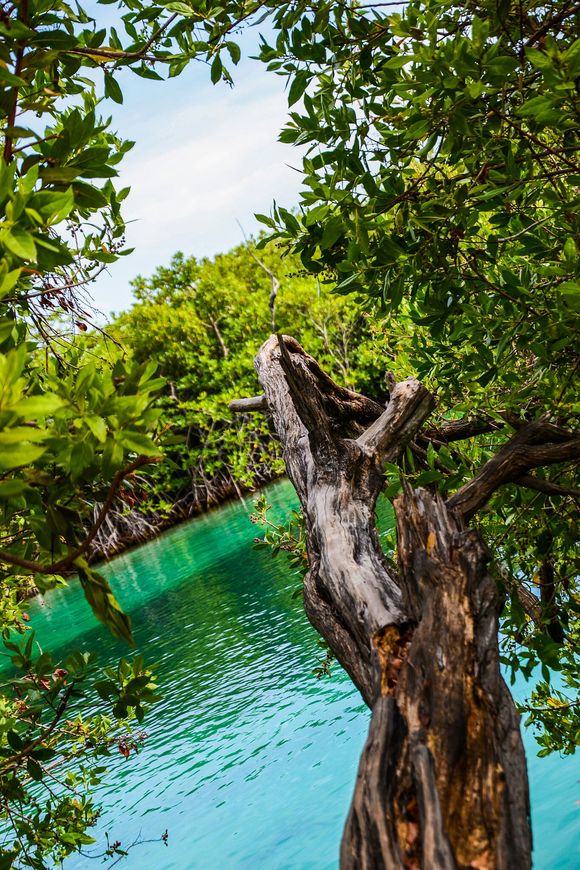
442,780
252,403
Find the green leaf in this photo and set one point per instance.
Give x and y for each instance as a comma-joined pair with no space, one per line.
393,488
216,69
33,407
181,8
9,78
18,434
11,488
535,105
34,769
20,242
572,59
59,174
428,477
398,61
103,603
418,129
177,66
539,59
503,65
14,739
98,427
106,689
138,442
333,230
88,196
16,455
348,281
569,249
475,90
570,290
112,89
53,206
235,52
8,281
297,87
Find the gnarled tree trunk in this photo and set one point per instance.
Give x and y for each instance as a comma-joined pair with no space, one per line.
442,779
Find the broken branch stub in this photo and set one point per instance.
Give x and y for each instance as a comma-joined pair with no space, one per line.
442,778
248,405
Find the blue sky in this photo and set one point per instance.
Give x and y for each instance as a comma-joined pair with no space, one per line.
206,156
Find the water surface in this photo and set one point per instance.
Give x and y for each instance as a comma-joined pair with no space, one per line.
250,761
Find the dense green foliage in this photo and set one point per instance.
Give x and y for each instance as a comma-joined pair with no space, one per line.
203,322
441,183
440,188
73,426
440,196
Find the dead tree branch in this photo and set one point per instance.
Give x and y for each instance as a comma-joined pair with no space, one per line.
252,403
522,453
442,779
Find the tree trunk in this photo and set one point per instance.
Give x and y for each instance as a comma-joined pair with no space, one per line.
442,779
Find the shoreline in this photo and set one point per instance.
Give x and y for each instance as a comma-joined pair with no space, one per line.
176,516
149,531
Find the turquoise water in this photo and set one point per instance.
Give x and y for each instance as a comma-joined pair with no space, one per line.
250,761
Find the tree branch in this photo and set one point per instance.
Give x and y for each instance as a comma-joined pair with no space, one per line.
552,22
15,759
530,481
459,430
514,459
408,407
251,403
118,54
68,561
306,401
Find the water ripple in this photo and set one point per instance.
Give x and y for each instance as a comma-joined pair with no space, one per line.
249,761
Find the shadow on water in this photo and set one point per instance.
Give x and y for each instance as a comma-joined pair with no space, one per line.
250,761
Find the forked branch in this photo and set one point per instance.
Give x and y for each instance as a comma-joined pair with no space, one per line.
512,461
409,406
442,780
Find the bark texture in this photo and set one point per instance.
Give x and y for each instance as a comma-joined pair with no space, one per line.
442,779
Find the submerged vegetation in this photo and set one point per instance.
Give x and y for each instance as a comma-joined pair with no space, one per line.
437,237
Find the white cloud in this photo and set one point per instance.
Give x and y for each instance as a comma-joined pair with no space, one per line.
206,157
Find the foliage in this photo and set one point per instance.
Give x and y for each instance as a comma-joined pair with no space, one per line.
440,185
440,188
288,537
203,322
49,763
73,425
78,419
555,715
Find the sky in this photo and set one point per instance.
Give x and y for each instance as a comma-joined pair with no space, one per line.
206,157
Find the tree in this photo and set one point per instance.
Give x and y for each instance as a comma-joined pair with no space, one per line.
203,321
441,185
73,426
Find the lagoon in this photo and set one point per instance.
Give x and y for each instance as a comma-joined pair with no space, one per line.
250,760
